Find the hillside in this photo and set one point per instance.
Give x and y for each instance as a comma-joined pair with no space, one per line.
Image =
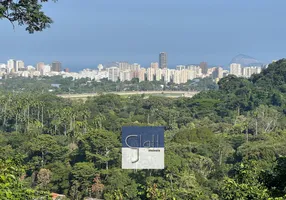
221,144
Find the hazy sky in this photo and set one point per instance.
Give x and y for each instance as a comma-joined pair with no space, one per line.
89,32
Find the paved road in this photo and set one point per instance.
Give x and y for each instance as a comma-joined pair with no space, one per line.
171,93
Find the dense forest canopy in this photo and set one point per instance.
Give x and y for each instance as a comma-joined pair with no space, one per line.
221,144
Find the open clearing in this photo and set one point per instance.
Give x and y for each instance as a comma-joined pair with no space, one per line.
170,94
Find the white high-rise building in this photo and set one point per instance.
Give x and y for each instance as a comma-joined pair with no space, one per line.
45,70
184,76
134,67
258,70
125,75
141,74
167,75
248,71
218,72
235,69
113,73
192,74
150,74
40,66
19,65
124,66
158,74
177,77
11,65
197,71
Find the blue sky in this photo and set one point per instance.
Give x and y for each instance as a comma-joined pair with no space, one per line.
86,33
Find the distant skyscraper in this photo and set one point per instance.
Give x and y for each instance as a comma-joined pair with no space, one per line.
123,66
248,71
19,65
192,74
218,73
177,77
134,67
204,67
40,66
141,74
11,65
56,66
150,74
166,75
113,74
184,76
125,75
163,63
158,74
235,69
46,69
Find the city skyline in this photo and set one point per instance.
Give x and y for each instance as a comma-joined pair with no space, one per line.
162,55
125,71
112,32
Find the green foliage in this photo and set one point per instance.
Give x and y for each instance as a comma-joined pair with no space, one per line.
26,12
11,186
184,136
220,144
86,85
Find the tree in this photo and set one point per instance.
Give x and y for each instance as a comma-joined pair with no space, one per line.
245,184
11,186
82,175
43,149
27,13
44,178
97,187
100,147
275,180
265,119
120,185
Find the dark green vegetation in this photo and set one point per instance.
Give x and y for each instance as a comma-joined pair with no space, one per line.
222,144
26,13
85,85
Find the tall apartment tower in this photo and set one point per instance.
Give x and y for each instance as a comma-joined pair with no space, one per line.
19,65
56,66
113,74
163,60
40,66
11,65
235,69
218,73
204,67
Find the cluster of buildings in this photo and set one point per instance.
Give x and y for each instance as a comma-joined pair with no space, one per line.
124,71
18,68
239,71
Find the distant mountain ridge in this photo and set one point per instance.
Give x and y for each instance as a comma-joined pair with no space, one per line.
246,60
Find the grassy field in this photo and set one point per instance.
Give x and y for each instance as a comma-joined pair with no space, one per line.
169,94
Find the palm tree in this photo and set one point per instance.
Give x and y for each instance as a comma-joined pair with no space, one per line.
97,121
